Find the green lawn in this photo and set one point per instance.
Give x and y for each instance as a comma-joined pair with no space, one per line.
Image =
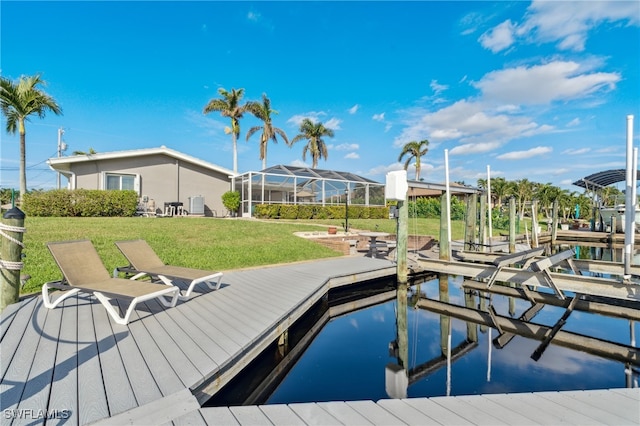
218,244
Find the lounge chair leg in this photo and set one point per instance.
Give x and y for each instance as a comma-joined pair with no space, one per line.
46,299
112,311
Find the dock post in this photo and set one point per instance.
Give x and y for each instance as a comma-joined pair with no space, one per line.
471,220
445,248
512,225
483,221
534,223
11,230
554,223
402,235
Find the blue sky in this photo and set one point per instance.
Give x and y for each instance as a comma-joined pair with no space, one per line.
535,90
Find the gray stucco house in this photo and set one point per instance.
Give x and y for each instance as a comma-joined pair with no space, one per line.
158,175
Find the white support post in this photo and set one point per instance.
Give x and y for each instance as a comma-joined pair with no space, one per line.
630,212
446,179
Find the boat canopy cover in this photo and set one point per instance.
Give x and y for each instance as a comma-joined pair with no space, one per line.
602,179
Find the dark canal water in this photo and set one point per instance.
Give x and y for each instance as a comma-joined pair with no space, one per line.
347,358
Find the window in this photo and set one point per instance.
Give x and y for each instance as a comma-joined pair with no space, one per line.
116,181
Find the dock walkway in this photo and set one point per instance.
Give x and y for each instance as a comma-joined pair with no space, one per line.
75,361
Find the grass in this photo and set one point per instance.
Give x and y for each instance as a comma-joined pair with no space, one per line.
215,244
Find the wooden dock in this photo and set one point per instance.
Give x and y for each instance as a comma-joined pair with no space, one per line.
74,365
77,361
604,407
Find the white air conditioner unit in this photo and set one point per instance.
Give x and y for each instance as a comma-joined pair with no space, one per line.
196,205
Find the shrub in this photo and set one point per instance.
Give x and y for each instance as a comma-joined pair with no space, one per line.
80,203
315,211
231,200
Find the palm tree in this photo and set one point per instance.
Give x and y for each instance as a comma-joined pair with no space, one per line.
501,188
523,190
90,152
229,106
415,150
18,101
263,112
313,132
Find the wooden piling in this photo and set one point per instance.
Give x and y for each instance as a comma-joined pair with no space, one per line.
471,222
554,223
512,225
483,221
445,247
11,263
402,236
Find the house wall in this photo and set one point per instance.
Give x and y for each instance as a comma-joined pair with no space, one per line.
162,178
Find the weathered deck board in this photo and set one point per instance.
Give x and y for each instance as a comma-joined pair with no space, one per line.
477,409
117,386
64,386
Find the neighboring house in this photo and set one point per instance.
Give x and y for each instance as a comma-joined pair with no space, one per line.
158,175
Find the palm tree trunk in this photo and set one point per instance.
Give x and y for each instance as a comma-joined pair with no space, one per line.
23,162
235,154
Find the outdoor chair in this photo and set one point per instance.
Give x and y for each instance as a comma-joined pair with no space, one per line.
82,270
143,261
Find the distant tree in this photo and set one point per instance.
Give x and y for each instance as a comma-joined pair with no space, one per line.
414,150
523,191
501,188
546,195
229,106
313,133
90,152
18,101
263,112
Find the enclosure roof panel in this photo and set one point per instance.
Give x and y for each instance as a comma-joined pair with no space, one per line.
602,179
308,172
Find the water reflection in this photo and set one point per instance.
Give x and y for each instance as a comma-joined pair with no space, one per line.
394,349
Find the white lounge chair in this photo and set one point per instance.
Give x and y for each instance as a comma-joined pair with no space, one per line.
82,270
143,261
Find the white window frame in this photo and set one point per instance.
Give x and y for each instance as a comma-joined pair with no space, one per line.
136,180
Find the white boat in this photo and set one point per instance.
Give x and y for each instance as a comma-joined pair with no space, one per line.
618,212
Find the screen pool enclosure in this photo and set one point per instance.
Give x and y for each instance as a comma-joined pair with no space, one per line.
302,185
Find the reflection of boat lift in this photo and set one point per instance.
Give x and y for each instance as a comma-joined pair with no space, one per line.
398,376
592,345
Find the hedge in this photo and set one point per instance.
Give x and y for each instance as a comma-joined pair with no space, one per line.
80,203
316,211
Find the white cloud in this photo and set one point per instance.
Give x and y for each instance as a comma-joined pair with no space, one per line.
333,124
498,38
566,22
378,117
437,88
576,151
346,147
520,155
573,123
352,156
254,16
383,170
470,122
542,84
354,109
299,163
474,148
314,116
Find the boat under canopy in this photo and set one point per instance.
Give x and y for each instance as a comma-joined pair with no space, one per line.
597,181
